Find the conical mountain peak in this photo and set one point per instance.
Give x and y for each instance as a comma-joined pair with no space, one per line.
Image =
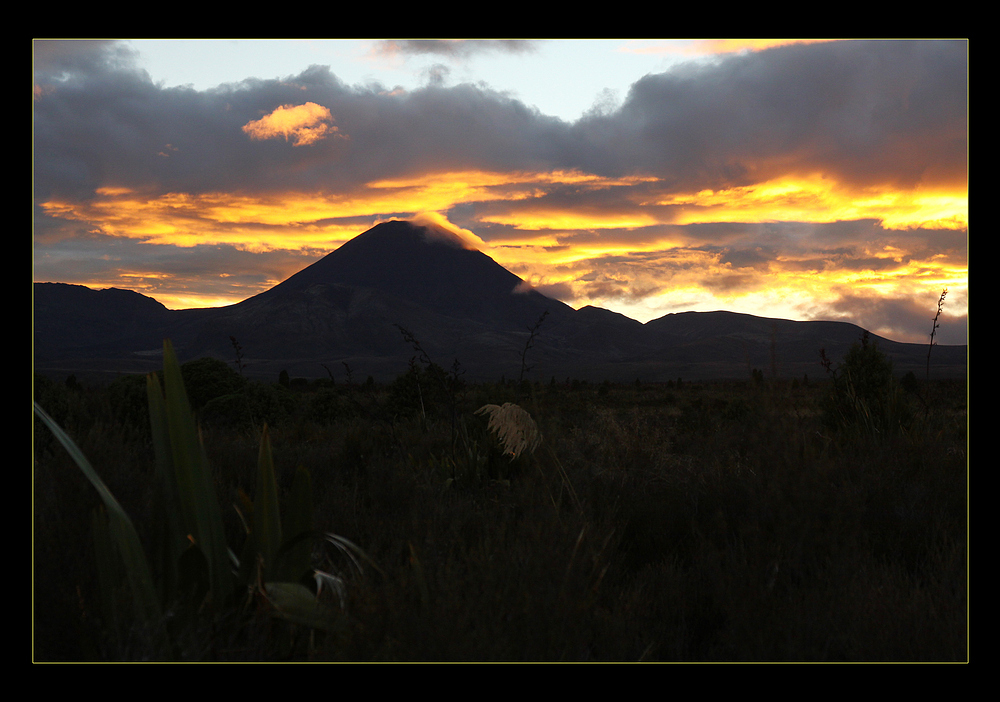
430,265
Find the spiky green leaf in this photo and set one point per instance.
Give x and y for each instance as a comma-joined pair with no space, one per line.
182,461
119,535
266,512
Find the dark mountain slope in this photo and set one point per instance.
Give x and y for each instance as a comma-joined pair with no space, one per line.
428,267
351,303
73,320
458,303
790,348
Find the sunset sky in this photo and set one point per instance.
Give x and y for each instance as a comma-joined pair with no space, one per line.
802,180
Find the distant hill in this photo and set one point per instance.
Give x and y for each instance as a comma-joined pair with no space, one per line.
458,303
73,320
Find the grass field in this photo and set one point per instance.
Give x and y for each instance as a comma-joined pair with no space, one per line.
673,522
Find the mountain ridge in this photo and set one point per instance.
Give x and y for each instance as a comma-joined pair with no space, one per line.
458,302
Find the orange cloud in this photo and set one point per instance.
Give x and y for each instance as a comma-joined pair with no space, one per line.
303,124
820,199
555,237
292,220
726,46
709,47
568,219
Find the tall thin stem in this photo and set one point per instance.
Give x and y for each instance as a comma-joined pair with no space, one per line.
934,329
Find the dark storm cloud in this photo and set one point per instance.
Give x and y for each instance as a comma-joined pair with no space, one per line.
64,58
867,111
870,112
112,127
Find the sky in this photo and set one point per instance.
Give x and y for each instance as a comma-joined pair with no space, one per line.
794,179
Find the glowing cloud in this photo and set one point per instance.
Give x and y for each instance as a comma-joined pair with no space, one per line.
725,46
439,228
708,47
303,124
822,199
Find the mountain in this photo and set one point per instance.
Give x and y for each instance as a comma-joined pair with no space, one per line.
350,305
459,304
429,267
72,320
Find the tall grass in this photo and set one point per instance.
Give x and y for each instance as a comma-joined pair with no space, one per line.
708,522
192,587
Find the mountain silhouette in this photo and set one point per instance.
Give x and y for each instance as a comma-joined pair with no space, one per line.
354,304
429,267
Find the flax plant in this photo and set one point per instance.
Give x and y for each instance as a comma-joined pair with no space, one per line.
201,584
116,538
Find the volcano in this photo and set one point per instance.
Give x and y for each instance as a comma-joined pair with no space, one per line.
355,304
403,283
431,267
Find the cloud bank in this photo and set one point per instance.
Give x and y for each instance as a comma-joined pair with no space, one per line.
806,181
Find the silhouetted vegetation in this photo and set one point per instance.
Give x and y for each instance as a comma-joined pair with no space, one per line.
865,397
821,520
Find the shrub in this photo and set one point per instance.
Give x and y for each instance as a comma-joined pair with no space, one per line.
326,406
909,383
129,402
865,398
256,403
422,391
208,378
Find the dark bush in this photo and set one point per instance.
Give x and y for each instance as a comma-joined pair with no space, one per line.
208,378
909,383
865,397
129,401
326,406
255,404
421,391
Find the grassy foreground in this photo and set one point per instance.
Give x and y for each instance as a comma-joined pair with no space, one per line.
677,522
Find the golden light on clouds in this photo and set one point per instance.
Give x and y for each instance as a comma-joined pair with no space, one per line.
303,124
554,237
819,199
556,245
858,149
295,220
178,219
726,46
440,191
708,47
550,218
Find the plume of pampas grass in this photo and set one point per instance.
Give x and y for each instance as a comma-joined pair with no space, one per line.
514,427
